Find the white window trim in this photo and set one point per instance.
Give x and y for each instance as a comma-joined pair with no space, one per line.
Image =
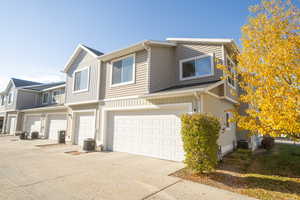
44,103
229,115
52,95
233,64
88,80
211,55
12,98
133,72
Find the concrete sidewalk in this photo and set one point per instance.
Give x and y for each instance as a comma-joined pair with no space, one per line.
30,172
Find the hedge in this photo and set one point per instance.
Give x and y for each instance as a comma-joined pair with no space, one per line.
200,133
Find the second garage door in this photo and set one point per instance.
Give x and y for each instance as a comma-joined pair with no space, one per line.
84,127
33,123
56,123
154,133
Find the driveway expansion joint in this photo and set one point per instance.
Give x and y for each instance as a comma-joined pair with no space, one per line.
162,189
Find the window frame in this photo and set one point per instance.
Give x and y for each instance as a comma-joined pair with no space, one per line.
2,100
133,71
12,98
44,103
88,80
234,72
52,95
212,66
227,121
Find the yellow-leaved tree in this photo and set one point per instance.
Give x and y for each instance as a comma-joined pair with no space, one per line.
268,70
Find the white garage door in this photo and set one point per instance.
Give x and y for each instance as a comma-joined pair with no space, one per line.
56,123
84,127
12,125
33,123
154,133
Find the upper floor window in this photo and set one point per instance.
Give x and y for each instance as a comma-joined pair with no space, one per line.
10,98
123,71
81,80
55,95
45,98
231,79
196,67
2,100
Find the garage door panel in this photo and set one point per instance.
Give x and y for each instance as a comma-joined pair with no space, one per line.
56,123
154,133
85,127
33,123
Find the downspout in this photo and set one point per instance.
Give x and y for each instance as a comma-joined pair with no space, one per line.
198,102
148,49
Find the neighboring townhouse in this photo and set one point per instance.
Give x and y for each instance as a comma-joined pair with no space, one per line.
130,100
47,113
11,100
30,106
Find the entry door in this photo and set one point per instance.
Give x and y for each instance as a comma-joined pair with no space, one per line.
154,133
85,127
12,125
56,123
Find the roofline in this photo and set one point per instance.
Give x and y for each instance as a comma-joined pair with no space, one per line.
182,92
79,46
55,87
207,40
134,47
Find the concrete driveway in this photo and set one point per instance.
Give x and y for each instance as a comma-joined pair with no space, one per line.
30,172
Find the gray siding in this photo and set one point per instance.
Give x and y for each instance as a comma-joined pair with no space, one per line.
83,60
162,66
140,86
184,51
165,66
27,99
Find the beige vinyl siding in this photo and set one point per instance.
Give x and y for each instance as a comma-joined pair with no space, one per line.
218,108
162,68
144,102
189,50
83,60
140,86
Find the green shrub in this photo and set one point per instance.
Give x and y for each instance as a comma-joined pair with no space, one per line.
200,133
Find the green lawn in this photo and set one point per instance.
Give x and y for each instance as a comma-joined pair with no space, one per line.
266,175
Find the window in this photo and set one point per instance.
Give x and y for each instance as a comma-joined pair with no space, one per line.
196,67
2,100
227,122
123,71
10,98
55,95
231,80
81,80
45,98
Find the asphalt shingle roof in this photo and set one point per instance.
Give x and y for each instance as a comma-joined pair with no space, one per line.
45,86
22,83
98,53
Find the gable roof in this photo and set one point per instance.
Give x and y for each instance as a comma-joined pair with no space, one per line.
46,86
22,83
95,53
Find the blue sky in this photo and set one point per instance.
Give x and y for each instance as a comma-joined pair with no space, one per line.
38,36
